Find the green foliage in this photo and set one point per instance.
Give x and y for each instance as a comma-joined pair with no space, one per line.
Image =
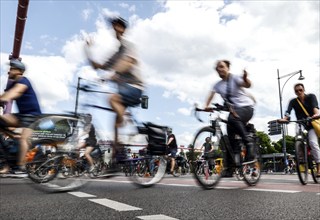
289,144
265,142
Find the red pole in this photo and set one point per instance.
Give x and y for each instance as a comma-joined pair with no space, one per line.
18,35
20,24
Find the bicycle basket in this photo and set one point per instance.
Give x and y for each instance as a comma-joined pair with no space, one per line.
157,139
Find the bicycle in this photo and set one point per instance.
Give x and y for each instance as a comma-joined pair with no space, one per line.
208,180
303,157
47,172
206,166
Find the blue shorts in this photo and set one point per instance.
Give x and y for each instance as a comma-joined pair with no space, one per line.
130,95
172,152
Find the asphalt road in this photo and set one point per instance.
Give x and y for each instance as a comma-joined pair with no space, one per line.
275,197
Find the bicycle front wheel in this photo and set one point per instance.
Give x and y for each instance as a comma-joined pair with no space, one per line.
206,175
301,162
149,171
313,171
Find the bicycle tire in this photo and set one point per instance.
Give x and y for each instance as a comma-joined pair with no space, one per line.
252,172
206,179
301,161
239,174
43,169
313,171
177,171
143,177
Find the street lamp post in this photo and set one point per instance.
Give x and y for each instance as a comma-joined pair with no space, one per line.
284,149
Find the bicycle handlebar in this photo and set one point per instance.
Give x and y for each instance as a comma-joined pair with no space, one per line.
308,119
217,107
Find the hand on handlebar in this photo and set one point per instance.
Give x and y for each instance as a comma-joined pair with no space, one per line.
282,120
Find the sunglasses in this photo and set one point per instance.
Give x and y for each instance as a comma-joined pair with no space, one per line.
298,90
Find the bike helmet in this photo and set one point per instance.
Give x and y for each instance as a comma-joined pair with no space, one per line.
17,64
118,20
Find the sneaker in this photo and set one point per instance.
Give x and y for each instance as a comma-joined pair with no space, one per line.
5,170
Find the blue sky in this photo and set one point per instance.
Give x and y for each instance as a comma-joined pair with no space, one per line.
178,44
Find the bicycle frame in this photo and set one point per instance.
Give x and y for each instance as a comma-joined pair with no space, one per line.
251,170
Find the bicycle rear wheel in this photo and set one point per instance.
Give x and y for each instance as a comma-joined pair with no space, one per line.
205,177
149,171
251,173
301,162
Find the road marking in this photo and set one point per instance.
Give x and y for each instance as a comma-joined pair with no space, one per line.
273,190
227,187
318,194
81,194
118,206
151,217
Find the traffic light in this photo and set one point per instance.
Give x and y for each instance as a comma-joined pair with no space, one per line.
274,127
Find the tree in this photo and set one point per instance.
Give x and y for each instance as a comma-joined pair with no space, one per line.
265,143
289,144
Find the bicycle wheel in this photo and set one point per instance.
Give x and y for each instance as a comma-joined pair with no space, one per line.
177,170
301,162
313,170
55,174
239,174
146,174
251,173
40,167
206,178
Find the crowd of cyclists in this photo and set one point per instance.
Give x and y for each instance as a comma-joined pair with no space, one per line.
124,65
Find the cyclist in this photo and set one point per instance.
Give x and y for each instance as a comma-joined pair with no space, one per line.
26,99
207,149
89,140
172,148
310,103
126,75
230,87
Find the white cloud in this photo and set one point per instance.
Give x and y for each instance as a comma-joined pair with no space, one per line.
179,46
184,111
86,14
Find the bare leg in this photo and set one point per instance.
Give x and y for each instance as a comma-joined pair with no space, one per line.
117,106
24,145
88,156
173,161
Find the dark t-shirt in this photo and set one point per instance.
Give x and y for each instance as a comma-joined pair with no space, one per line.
173,143
207,147
310,102
28,102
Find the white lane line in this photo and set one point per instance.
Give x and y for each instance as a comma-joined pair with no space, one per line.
152,217
227,187
274,190
318,194
81,194
118,206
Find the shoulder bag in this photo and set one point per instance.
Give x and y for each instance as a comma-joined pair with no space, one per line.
315,123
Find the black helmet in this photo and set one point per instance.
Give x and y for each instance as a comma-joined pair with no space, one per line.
118,20
17,64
